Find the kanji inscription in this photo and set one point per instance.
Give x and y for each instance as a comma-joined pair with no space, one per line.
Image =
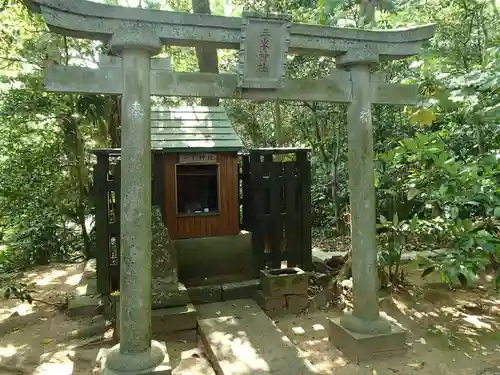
263,50
262,66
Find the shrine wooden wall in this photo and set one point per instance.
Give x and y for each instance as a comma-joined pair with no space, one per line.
226,223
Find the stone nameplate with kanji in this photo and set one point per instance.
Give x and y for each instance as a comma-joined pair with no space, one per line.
263,50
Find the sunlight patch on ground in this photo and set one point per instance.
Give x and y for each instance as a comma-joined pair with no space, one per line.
477,323
49,277
9,353
59,363
318,327
244,357
298,330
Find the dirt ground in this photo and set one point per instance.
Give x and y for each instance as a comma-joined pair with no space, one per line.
450,332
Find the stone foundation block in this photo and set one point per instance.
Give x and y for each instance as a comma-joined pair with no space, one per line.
273,306
295,304
168,294
283,281
187,335
84,305
363,347
174,319
163,368
240,290
205,294
168,320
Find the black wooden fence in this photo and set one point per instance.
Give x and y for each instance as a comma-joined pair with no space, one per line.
275,196
275,200
107,213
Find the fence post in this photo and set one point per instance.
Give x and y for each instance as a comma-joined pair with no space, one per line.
304,175
247,220
257,209
101,223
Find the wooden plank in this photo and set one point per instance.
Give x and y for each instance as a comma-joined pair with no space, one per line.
192,130
224,224
101,222
192,124
304,174
258,233
247,221
158,185
291,222
195,137
276,223
118,183
187,109
189,116
198,144
241,339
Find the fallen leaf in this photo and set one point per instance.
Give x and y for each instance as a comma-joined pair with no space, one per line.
46,341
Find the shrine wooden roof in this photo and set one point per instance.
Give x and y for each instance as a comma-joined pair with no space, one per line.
200,129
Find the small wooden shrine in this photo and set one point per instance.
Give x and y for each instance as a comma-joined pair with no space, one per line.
198,148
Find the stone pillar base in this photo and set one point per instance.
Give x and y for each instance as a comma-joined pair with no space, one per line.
363,347
154,362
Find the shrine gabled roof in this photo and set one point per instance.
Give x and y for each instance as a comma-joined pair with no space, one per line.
182,129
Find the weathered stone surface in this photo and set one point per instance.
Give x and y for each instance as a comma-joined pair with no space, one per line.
273,306
263,50
364,347
174,319
296,304
205,294
169,320
105,80
241,339
229,255
84,305
135,214
138,364
186,335
163,254
166,294
280,282
91,20
489,371
238,290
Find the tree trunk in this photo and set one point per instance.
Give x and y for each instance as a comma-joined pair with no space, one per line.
208,61
74,150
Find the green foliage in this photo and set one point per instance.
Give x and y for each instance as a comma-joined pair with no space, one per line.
437,167
14,289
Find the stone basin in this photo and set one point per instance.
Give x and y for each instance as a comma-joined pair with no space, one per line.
284,281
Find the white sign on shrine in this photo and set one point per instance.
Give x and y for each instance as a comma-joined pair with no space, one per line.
197,158
263,50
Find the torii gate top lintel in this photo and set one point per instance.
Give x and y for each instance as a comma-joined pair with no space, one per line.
90,20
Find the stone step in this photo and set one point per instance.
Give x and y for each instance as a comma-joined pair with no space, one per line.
240,339
223,292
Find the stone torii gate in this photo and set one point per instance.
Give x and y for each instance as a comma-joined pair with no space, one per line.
138,34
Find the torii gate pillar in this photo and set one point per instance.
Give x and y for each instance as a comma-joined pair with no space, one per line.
136,353
363,334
